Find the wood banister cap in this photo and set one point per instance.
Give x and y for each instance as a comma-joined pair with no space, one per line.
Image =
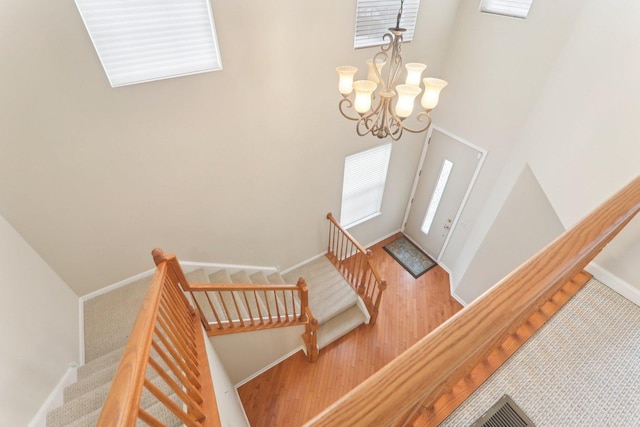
158,255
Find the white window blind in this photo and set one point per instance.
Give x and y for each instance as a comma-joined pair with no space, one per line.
375,17
514,8
144,40
365,175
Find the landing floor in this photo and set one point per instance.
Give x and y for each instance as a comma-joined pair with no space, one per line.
294,391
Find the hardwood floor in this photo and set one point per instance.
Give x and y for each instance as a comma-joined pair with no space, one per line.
294,391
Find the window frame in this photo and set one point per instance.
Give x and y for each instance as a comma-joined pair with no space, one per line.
489,7
375,17
365,178
139,41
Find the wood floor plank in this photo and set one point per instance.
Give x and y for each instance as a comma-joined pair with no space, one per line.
294,391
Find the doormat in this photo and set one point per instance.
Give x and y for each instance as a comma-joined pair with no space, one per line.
410,257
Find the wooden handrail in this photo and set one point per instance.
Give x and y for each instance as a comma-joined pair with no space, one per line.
168,324
227,308
419,375
356,265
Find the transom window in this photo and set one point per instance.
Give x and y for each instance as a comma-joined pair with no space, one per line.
375,17
513,8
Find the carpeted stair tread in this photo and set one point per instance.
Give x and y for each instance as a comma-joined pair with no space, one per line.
94,400
98,378
89,383
275,279
223,276
340,325
275,302
157,410
199,276
109,318
256,305
100,363
329,293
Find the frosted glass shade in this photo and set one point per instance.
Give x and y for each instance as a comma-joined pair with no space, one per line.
432,88
364,89
372,73
406,96
346,73
414,73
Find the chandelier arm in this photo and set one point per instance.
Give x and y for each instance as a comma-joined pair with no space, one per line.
420,117
381,56
349,104
396,61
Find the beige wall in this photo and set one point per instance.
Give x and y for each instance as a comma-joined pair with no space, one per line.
579,136
497,67
237,166
525,224
38,326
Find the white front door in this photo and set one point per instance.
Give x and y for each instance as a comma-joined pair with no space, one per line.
445,178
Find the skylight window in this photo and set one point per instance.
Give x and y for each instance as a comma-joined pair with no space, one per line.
144,40
375,17
513,8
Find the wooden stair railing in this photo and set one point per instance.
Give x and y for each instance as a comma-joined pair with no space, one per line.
419,376
355,263
220,309
166,334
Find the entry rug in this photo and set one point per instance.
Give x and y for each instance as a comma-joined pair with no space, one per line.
410,257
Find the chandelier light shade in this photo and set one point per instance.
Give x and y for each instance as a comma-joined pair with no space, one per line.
393,103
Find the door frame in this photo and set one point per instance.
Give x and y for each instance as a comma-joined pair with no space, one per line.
423,156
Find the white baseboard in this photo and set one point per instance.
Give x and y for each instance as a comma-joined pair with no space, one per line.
300,264
269,366
614,282
188,266
55,399
382,238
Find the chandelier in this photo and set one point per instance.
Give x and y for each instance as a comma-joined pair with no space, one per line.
384,120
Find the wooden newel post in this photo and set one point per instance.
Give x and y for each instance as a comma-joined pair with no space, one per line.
158,256
304,299
381,288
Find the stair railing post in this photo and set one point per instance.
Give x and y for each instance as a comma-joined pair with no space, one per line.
304,299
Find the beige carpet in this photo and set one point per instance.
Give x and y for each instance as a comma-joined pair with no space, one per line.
581,369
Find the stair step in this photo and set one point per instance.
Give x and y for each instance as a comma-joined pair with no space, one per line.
222,276
94,400
98,378
329,293
275,279
100,363
108,318
256,305
340,325
199,276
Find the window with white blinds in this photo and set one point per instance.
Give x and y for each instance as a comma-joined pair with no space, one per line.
375,17
365,175
144,40
513,8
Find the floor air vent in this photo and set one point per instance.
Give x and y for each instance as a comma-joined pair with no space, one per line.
505,413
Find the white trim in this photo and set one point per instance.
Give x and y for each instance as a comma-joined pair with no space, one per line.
483,156
212,265
300,264
382,238
81,331
360,221
269,366
614,282
56,397
117,285
363,308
